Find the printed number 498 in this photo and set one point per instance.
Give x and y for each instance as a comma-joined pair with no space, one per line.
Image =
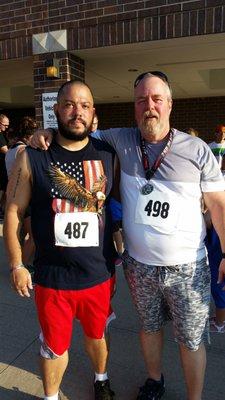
76,230
156,208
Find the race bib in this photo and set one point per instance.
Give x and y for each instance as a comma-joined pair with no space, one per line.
78,229
159,210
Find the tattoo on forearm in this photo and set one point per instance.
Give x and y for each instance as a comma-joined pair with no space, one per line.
17,182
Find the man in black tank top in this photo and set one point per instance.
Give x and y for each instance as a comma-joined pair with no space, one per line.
68,187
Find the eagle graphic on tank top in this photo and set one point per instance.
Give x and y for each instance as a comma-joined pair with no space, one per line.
78,186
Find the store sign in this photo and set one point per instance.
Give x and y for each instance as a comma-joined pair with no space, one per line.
49,118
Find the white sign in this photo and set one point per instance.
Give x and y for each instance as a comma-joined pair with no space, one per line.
49,118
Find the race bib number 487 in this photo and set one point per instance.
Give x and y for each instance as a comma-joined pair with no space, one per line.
79,229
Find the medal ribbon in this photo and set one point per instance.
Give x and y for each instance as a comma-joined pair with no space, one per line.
149,172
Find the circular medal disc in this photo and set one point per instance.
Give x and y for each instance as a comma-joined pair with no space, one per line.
147,189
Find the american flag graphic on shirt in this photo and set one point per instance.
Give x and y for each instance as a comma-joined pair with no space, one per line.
86,173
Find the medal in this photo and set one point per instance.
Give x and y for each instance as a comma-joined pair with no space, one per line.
150,171
147,189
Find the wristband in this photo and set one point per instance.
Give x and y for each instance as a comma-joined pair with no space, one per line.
223,255
17,267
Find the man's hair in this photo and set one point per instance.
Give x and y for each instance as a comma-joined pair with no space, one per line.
72,82
158,74
219,128
27,127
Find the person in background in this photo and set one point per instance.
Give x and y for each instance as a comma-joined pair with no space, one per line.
218,145
94,125
116,212
20,139
4,125
217,321
215,255
68,186
192,132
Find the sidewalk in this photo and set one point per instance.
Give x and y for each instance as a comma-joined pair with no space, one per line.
19,374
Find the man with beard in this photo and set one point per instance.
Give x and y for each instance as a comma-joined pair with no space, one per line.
68,187
218,146
164,175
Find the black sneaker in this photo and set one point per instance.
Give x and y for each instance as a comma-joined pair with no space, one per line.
152,390
103,391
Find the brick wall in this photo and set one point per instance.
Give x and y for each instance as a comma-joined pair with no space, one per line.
202,114
105,22
110,22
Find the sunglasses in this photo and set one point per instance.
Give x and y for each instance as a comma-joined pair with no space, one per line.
5,125
159,74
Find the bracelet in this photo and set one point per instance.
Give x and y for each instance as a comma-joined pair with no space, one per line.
223,255
17,267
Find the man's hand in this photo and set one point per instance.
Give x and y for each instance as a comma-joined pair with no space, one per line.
21,281
221,275
42,139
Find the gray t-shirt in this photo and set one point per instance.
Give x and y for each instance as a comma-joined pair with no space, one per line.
165,227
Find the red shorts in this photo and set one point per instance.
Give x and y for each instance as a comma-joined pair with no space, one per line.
58,308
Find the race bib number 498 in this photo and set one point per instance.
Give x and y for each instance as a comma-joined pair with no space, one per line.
159,210
79,229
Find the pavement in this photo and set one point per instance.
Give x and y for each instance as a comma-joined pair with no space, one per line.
19,346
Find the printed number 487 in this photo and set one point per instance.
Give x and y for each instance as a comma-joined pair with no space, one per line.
76,230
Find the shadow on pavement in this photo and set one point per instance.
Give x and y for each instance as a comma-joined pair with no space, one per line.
16,394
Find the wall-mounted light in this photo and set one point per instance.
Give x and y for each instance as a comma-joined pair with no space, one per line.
52,68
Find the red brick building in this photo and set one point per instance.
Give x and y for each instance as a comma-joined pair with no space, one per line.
108,43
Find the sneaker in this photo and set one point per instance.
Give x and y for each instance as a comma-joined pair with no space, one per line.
152,390
214,328
103,391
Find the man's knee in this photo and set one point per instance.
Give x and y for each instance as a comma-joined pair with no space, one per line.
48,354
191,347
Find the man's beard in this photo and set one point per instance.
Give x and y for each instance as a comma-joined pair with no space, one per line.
149,128
69,133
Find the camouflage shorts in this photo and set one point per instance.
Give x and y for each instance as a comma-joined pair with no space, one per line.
179,292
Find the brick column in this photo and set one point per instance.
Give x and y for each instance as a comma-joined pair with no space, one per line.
70,67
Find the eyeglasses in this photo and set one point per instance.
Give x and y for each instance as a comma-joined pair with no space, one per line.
159,74
5,125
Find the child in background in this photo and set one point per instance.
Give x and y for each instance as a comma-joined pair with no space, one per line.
217,322
116,212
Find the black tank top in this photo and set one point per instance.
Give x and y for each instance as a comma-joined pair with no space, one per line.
69,267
